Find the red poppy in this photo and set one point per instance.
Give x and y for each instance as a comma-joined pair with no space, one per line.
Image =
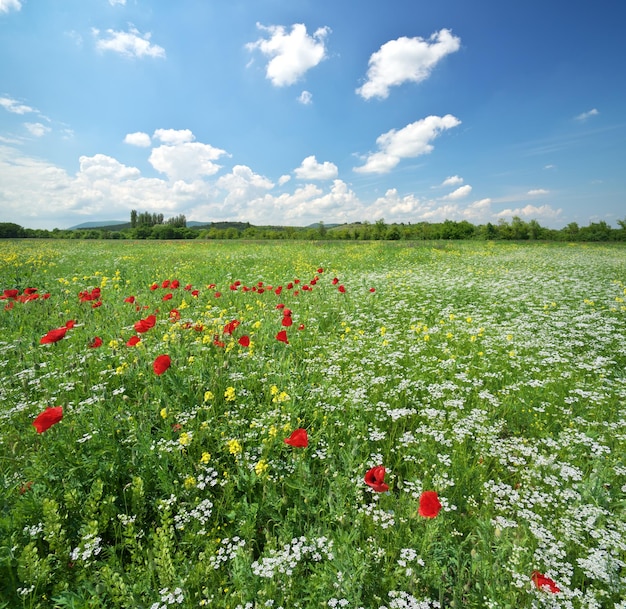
188,287
9,306
70,324
48,418
335,281
175,284
280,305
298,438
279,290
372,290
154,286
286,321
230,327
429,504
301,327
195,293
320,270
168,296
174,315
53,336
130,299
95,343
161,364
244,341
217,294
166,283
97,304
543,582
342,289
282,337
375,478
132,341
143,325
11,294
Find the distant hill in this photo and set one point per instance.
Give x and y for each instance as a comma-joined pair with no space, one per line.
101,224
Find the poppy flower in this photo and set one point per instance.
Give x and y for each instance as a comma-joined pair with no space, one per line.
543,582
166,283
154,286
372,290
70,324
168,296
342,289
429,504
95,343
244,341
175,284
11,294
320,270
375,478
298,438
195,293
301,327
231,326
282,337
53,336
161,364
335,281
143,325
48,418
132,341
287,321
174,315
130,299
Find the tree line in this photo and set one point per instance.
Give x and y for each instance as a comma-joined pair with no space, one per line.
153,226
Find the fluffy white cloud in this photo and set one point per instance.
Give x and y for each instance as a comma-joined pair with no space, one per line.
243,185
530,211
406,60
103,167
130,44
174,136
538,191
305,98
114,2
7,5
138,139
284,179
585,115
186,161
37,129
452,181
459,193
291,53
310,169
12,105
410,141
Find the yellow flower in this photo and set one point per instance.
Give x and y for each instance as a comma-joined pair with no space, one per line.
234,447
229,394
114,344
185,439
163,413
261,467
189,483
274,390
206,457
208,396
272,432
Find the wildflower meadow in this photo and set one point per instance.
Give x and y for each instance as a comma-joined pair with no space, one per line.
376,425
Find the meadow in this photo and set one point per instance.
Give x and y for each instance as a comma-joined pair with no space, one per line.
369,425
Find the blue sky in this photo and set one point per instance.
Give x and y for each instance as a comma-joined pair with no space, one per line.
293,112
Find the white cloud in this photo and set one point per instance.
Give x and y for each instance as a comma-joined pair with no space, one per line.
138,139
243,185
130,44
452,181
174,136
37,129
585,115
305,98
284,179
406,60
186,161
114,2
459,193
12,105
538,191
7,5
291,54
410,141
530,211
310,169
101,167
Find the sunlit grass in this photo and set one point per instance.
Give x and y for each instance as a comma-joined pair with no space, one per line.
492,374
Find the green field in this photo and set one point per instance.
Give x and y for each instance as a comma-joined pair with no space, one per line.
491,376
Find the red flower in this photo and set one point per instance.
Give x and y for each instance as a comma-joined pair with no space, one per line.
244,341
195,293
230,327
175,284
298,438
132,341
53,336
287,321
168,296
335,281
130,299
429,504
161,364
95,343
143,325
166,283
372,290
301,327
9,306
542,582
174,315
70,324
375,478
48,418
154,286
320,270
11,293
342,289
282,337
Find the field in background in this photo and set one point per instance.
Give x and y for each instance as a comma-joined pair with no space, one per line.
492,374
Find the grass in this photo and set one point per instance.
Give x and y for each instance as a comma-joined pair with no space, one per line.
492,374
